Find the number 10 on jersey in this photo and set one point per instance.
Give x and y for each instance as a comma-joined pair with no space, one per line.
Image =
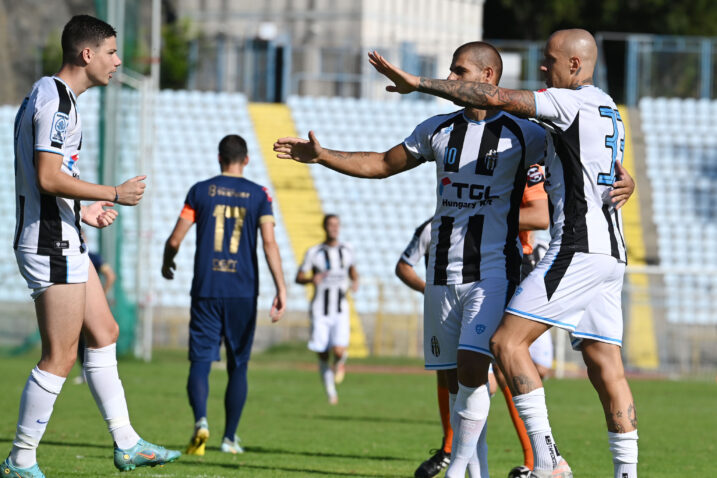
611,143
222,212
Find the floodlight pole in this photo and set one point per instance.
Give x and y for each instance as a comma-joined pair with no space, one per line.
148,155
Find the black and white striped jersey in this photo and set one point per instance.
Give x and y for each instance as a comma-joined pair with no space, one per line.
589,138
481,169
417,249
333,262
47,121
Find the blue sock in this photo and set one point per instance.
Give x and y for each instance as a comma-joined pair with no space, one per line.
198,388
234,399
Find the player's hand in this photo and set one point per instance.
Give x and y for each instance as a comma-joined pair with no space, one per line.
301,150
623,188
402,82
168,270
278,306
96,215
318,277
130,192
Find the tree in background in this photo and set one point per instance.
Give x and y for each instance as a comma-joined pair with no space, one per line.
176,63
530,20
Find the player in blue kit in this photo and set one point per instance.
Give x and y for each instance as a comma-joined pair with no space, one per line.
228,210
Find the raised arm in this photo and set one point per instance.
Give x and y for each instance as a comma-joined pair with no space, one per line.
273,260
465,93
358,164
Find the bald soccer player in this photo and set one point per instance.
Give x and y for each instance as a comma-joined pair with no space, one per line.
578,283
481,159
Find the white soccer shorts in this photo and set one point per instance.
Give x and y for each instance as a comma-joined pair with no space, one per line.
329,331
461,316
40,272
575,291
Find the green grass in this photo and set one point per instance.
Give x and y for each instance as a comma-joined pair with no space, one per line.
384,425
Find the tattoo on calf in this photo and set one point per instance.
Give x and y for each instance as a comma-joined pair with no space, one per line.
616,421
522,384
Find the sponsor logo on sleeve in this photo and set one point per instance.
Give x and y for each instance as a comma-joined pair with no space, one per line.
59,128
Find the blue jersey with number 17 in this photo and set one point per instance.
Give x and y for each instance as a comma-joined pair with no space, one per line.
228,210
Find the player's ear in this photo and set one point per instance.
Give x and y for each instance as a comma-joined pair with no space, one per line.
246,160
575,64
86,54
488,75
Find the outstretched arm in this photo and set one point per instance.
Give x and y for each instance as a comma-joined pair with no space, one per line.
465,93
273,259
358,164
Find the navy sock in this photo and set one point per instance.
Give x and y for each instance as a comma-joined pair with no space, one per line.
234,399
198,388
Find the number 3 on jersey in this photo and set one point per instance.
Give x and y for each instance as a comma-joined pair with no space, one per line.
611,143
222,212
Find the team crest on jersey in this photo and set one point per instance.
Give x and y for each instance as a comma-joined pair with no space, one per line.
59,128
490,160
480,328
435,346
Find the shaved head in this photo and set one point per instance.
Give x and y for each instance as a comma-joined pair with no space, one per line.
483,55
576,42
570,58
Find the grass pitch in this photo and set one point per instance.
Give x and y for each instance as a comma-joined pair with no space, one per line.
384,425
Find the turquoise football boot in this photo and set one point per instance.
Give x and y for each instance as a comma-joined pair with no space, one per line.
12,471
143,454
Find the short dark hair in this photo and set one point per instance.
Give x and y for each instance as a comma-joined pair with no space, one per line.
328,217
483,54
232,149
82,31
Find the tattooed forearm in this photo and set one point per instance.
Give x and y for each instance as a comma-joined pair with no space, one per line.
481,95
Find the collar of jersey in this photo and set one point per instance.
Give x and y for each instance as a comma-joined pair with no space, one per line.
66,85
232,175
500,113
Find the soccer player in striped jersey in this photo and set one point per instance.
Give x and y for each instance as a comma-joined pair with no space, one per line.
533,215
481,159
52,255
228,210
578,283
330,266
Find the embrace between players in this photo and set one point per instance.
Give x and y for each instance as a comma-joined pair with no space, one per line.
475,307
481,153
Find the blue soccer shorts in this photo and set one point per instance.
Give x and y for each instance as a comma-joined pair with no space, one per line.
214,319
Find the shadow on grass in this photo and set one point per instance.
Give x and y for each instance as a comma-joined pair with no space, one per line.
279,451
312,471
371,419
103,446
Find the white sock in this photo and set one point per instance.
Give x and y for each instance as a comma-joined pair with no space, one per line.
36,403
478,464
106,386
327,377
531,408
623,447
471,411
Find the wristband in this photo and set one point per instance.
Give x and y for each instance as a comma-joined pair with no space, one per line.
116,195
